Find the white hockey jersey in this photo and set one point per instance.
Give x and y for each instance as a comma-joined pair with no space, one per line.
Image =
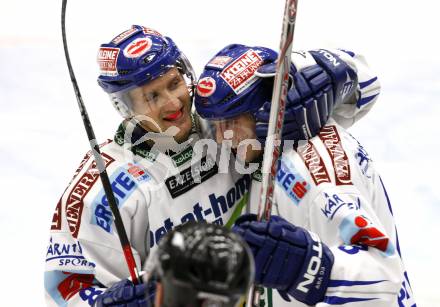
155,192
329,186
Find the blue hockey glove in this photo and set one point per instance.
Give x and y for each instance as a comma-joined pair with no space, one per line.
288,258
314,92
125,294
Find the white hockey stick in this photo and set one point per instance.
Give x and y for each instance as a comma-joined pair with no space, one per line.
276,119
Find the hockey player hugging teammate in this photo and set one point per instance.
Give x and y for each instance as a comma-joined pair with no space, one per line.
331,239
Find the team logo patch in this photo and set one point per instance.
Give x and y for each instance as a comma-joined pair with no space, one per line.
240,74
206,87
291,182
124,35
359,229
137,172
219,62
107,59
138,47
191,176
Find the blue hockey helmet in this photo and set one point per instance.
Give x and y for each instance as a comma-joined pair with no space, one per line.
228,85
135,57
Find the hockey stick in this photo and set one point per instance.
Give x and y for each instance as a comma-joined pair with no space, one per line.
129,258
276,119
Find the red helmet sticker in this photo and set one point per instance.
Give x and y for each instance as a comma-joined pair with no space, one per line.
107,58
138,47
206,87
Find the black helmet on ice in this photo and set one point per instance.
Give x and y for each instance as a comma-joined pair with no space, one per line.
202,265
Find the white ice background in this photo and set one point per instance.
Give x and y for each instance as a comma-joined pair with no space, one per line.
43,139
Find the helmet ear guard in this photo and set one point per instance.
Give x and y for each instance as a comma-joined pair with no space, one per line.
121,106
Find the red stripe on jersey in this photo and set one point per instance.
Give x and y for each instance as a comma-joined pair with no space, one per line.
74,203
314,163
332,142
56,218
73,283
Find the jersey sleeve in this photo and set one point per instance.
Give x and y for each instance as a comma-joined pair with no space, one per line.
84,255
367,266
366,94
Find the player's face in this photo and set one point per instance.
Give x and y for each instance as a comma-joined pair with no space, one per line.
239,129
166,101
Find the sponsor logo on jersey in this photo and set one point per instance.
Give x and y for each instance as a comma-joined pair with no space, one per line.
359,229
291,182
332,142
137,172
219,62
138,47
56,218
314,163
74,202
240,74
107,59
335,202
124,35
219,205
123,185
67,255
206,87
183,157
191,176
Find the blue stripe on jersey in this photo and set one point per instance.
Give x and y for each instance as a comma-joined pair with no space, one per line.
350,53
386,195
349,283
365,100
391,210
336,300
367,83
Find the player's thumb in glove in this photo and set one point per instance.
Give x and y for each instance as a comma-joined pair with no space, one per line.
287,258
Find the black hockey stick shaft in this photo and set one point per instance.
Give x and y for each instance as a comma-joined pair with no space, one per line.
126,247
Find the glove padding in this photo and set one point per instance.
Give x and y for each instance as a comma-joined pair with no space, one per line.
287,258
314,92
125,294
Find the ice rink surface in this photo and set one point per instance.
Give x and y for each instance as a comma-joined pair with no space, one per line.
43,139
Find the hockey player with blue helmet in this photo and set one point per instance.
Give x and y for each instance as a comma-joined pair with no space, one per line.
159,177
331,238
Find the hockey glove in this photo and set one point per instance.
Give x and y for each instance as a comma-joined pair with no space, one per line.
320,80
288,258
124,294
